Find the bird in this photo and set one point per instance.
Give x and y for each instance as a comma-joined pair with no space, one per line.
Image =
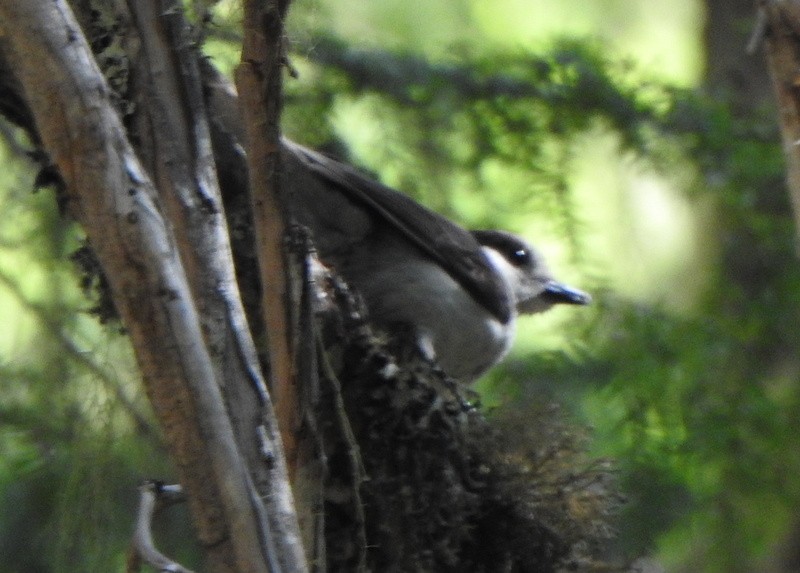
460,291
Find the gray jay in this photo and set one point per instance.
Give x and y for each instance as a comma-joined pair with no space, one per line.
460,290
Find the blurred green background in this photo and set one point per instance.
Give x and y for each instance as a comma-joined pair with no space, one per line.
633,141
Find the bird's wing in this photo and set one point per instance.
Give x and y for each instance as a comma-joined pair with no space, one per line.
452,247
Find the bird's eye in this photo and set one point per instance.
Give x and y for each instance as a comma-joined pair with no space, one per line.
521,257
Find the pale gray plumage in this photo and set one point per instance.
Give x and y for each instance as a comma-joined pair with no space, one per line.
461,290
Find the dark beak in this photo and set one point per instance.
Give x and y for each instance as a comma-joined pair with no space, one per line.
556,293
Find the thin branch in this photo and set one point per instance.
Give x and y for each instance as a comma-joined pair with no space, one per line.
357,471
153,497
258,79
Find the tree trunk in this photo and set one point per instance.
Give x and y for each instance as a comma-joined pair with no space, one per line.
155,221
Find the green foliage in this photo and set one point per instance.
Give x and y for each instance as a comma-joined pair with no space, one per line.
699,407
697,403
74,433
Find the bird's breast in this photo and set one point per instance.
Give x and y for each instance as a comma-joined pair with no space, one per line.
466,338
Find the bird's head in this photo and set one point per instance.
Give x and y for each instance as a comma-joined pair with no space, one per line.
526,273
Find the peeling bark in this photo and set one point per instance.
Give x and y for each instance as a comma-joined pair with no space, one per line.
181,350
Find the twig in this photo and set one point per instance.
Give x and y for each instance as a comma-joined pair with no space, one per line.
759,31
153,496
357,470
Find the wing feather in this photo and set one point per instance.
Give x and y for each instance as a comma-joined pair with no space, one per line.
452,247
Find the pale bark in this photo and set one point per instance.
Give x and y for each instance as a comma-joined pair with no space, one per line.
259,78
186,332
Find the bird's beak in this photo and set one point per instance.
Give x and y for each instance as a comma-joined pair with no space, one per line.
557,293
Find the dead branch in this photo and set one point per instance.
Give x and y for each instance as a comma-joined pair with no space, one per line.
153,496
259,83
